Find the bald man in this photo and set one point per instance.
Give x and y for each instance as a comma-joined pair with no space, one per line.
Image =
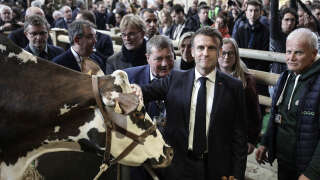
18,36
293,134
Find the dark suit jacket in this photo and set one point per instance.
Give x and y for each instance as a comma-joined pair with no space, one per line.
104,46
193,23
173,29
141,75
68,60
61,23
20,39
227,138
53,51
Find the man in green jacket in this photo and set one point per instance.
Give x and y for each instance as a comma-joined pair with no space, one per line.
293,135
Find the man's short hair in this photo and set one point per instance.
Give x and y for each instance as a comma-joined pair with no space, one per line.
310,36
291,11
149,10
63,9
315,6
132,20
208,31
159,42
79,3
206,7
88,16
177,8
254,3
75,29
99,3
35,20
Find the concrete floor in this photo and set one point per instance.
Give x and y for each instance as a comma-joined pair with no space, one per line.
255,171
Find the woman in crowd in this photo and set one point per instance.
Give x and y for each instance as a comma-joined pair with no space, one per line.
186,61
229,62
221,24
165,22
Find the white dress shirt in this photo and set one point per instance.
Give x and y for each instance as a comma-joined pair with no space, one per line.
77,56
210,94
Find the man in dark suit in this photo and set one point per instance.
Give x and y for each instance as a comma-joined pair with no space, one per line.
18,36
66,20
36,30
178,17
206,122
199,20
160,63
83,38
103,46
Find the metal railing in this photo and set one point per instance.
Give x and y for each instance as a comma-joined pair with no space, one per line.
60,38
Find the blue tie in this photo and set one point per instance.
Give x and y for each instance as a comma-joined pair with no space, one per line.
199,136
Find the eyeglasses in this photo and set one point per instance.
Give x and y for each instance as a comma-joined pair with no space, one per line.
229,53
42,33
131,35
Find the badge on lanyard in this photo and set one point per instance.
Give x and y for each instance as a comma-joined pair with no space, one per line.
278,119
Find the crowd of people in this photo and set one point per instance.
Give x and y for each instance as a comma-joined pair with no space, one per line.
206,99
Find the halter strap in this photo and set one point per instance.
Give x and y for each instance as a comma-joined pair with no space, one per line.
137,139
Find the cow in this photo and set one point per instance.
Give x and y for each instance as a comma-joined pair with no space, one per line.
47,108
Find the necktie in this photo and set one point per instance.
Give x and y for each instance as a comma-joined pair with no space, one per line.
199,136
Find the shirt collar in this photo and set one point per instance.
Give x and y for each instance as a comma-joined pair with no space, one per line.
76,55
211,76
152,77
36,51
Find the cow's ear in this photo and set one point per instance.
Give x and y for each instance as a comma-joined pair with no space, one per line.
128,102
88,66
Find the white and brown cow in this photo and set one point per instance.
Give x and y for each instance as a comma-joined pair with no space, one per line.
48,108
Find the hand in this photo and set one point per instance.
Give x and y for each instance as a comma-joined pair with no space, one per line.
250,148
6,26
303,177
137,90
261,156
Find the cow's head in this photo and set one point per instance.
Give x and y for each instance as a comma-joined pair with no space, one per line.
127,111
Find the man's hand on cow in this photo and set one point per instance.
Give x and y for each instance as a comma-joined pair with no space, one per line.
137,90
250,148
303,177
261,155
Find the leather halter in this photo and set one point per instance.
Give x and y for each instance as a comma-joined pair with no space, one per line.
111,126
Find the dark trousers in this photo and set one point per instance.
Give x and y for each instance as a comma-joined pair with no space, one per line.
195,169
286,172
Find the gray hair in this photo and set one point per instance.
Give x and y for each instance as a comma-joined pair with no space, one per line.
36,3
159,42
35,20
64,8
310,36
75,29
57,13
185,36
132,20
3,7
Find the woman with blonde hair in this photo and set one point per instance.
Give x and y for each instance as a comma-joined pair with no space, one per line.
230,63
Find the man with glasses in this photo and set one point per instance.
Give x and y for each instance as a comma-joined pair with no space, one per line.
36,30
134,45
82,38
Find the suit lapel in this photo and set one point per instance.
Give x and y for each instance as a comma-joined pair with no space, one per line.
146,75
187,88
218,97
73,61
